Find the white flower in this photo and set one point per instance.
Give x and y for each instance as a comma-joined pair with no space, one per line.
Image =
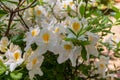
59,31
40,15
28,15
3,44
91,49
68,51
14,58
74,56
102,65
47,40
50,2
58,10
65,50
39,11
34,64
74,24
27,54
69,3
31,36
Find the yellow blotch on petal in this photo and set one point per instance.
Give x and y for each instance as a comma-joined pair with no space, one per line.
67,47
65,5
39,12
46,37
34,61
71,3
114,38
5,42
76,26
57,30
16,55
102,65
90,38
34,32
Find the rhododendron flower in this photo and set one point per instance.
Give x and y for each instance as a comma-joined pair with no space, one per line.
91,49
31,36
102,65
33,65
68,51
47,40
14,57
3,44
70,3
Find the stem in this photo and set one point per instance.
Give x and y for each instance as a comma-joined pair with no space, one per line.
17,10
86,1
13,12
23,21
5,6
9,23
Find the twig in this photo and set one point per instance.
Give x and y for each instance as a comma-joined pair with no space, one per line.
22,2
25,7
5,6
9,23
13,13
23,21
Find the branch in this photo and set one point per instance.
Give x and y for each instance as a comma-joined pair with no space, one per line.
5,6
9,23
23,21
13,12
17,10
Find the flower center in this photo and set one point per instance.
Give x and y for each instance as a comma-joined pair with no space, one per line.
67,47
46,37
34,61
71,3
4,41
57,30
39,12
76,26
101,65
16,55
64,5
90,38
34,32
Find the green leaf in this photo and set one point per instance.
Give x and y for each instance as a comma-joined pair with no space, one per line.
115,9
84,53
2,13
16,76
2,68
85,69
117,16
41,2
82,9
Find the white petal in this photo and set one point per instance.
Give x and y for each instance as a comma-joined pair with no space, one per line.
20,61
62,57
74,55
41,50
91,50
13,66
31,75
9,62
39,71
29,66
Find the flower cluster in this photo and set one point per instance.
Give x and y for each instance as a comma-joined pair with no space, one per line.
61,28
